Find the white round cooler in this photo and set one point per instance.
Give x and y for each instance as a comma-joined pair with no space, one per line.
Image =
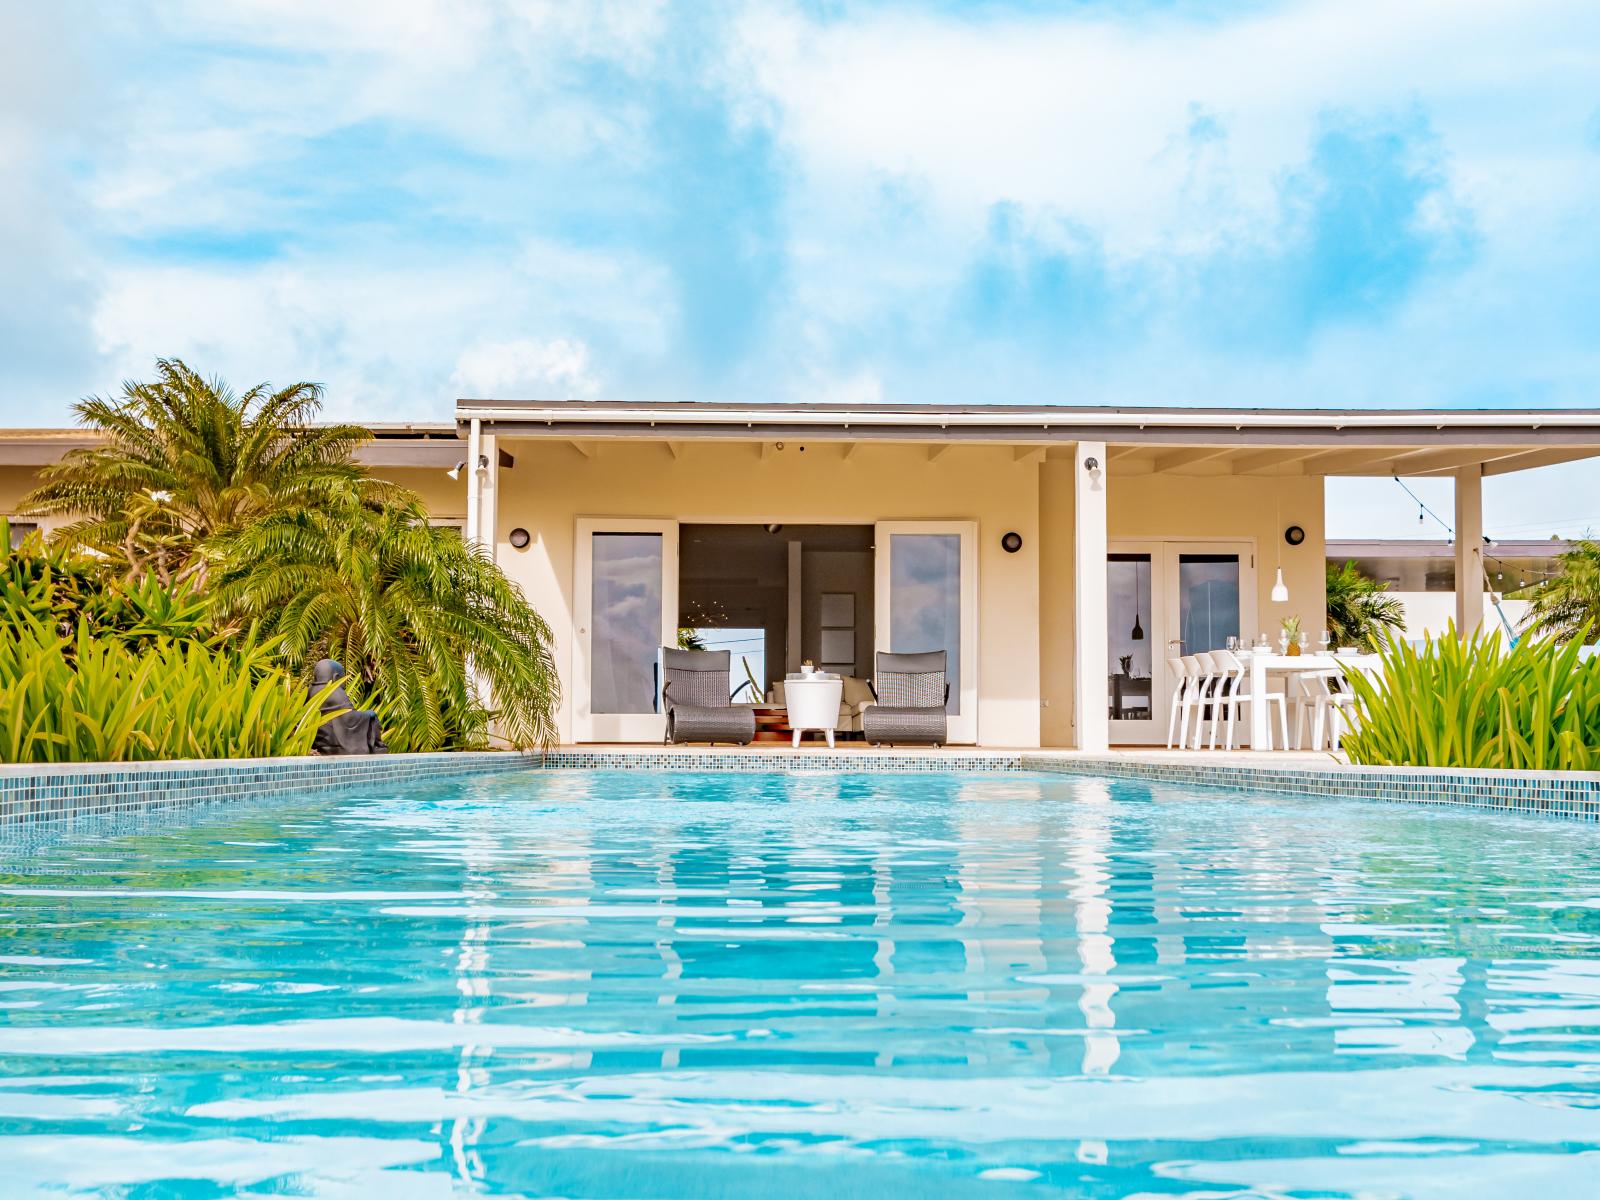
813,704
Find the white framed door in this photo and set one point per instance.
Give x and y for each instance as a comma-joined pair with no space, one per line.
625,609
1164,599
926,598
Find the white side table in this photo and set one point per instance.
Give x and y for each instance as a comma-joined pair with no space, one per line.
813,704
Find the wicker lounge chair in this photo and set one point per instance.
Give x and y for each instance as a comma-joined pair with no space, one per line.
911,690
696,696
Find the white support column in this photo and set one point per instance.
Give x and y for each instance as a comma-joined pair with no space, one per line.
474,480
489,497
1090,690
1469,549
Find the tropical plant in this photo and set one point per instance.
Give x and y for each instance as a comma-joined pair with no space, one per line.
190,483
184,460
1570,602
90,698
1475,703
1359,614
403,605
69,591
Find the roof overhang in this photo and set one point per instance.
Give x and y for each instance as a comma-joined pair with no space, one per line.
432,444
1192,440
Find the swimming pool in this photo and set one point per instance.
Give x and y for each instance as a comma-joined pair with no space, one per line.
632,984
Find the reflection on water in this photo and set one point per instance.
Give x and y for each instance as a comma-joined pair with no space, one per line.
590,984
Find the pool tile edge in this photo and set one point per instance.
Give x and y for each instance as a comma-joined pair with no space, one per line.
30,794
1566,795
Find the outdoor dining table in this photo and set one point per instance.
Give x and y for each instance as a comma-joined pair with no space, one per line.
1263,663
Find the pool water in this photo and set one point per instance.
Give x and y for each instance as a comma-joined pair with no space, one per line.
628,984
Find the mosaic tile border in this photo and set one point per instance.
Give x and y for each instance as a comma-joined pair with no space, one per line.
801,761
30,794
1570,795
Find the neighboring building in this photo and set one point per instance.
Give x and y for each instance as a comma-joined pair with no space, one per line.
1058,554
1421,574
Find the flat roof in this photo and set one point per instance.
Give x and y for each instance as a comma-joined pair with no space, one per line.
394,444
1059,422
1320,441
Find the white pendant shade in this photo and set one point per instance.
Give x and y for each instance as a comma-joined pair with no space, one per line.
1280,590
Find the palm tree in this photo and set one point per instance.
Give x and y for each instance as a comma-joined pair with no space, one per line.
1359,613
403,605
185,460
1565,606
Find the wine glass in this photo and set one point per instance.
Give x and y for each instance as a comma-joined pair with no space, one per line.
1304,639
1327,640
1232,642
1283,641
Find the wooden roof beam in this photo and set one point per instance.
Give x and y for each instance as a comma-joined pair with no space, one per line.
1190,456
1262,460
1530,459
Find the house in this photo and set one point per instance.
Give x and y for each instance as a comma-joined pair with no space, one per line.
1421,574
1058,554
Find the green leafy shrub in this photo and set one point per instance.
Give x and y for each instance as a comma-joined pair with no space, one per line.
68,590
405,606
93,698
1475,703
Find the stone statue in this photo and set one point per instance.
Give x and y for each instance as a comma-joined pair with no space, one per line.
350,730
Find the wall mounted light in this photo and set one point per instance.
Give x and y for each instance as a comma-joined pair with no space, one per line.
520,538
1011,542
1294,535
483,467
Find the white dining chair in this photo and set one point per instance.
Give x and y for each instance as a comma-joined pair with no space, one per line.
1331,706
1234,695
1178,715
1207,681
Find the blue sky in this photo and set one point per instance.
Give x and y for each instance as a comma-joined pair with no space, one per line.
1267,202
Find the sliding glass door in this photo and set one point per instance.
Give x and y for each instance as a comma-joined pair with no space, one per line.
927,599
626,609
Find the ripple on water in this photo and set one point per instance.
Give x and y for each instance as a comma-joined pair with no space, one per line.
623,984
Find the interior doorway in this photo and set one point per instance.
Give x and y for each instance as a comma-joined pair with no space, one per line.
776,596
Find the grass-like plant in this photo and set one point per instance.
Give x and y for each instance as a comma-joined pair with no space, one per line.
90,697
1473,702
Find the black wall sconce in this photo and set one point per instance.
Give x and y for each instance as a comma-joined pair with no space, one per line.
520,538
1294,535
1011,542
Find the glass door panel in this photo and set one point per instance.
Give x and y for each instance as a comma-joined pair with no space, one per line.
626,591
927,600
1129,582
1208,600
625,627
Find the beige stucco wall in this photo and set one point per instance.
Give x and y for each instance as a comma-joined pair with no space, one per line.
552,484
1025,643
1172,507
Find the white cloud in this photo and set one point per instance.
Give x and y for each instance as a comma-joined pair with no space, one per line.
525,369
1080,115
